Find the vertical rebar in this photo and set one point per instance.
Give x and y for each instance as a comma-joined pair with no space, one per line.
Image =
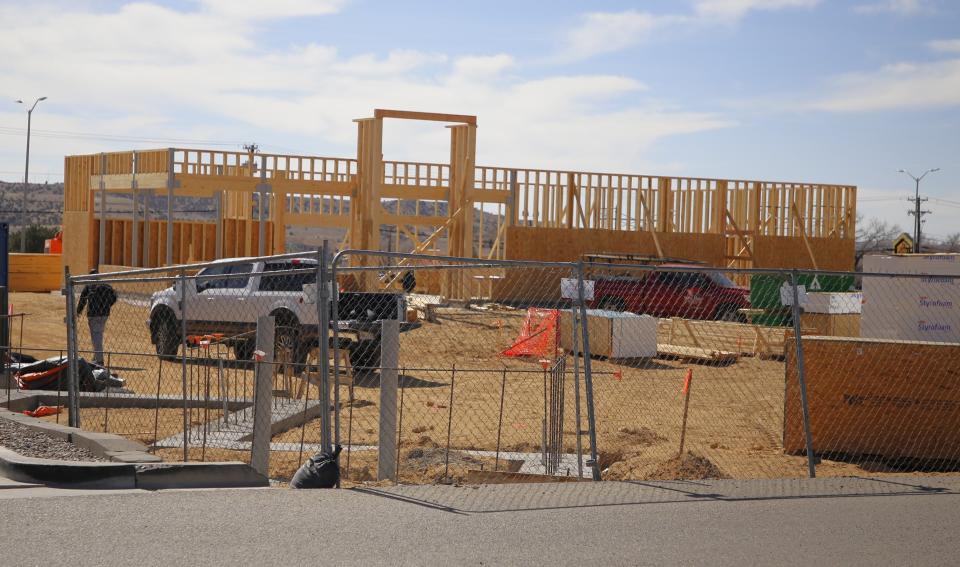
183,364
543,423
503,389
446,460
306,404
156,415
206,400
400,422
802,379
106,406
59,386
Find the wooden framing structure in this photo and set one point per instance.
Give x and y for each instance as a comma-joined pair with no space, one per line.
446,207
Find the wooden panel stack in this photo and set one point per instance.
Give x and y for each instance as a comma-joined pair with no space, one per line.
892,399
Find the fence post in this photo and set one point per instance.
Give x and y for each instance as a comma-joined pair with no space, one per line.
575,348
587,373
262,396
183,364
323,332
802,378
334,312
72,401
389,361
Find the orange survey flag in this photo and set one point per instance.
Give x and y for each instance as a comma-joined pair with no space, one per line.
686,381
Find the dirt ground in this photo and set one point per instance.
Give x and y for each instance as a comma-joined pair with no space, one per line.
734,422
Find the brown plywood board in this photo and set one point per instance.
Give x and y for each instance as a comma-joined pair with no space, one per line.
893,399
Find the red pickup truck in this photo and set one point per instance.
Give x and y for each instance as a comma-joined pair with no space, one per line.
671,293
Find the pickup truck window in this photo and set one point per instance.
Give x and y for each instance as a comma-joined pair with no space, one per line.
285,282
204,284
238,282
683,280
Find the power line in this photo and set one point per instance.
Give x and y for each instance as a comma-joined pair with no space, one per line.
66,135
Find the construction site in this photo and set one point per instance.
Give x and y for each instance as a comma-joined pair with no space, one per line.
679,352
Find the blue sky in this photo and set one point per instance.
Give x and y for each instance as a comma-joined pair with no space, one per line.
795,90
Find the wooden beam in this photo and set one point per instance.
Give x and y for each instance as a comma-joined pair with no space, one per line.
649,223
123,181
743,235
434,116
803,233
415,192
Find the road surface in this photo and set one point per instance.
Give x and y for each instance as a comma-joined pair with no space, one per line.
785,522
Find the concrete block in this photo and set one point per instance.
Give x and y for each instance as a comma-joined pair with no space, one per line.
66,473
132,457
100,443
198,475
53,429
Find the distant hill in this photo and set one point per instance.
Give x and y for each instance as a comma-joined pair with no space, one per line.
44,204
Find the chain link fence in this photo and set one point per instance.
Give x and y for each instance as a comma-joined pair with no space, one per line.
433,369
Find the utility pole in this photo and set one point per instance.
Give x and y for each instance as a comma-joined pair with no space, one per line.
26,178
916,212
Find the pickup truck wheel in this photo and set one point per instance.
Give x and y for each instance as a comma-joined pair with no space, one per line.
287,346
365,355
166,334
243,349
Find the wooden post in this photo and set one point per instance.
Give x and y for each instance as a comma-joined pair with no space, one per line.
687,383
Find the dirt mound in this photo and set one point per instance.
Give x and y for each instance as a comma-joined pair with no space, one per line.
640,466
689,467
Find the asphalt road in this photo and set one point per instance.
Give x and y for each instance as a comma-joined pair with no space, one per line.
824,522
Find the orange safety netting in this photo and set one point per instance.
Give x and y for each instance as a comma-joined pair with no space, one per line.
539,336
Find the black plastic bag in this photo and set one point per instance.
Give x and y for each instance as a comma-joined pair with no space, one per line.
320,471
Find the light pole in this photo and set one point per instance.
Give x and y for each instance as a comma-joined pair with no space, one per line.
917,213
26,177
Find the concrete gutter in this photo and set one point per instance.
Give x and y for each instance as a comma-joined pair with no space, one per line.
132,466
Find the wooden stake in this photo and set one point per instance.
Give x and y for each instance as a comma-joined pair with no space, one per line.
687,382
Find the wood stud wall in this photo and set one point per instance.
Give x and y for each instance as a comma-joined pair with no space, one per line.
341,192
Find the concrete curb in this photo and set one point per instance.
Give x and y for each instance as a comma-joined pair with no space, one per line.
133,466
105,445
147,476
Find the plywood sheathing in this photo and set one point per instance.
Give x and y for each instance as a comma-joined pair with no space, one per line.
887,399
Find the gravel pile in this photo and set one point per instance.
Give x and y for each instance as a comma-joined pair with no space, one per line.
30,443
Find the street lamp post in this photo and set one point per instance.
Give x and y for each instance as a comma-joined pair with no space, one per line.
26,177
917,213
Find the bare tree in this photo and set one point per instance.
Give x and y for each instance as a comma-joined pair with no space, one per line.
952,242
875,235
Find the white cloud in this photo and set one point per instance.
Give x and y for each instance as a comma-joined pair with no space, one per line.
945,45
603,32
607,32
148,70
903,7
734,10
901,86
275,9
